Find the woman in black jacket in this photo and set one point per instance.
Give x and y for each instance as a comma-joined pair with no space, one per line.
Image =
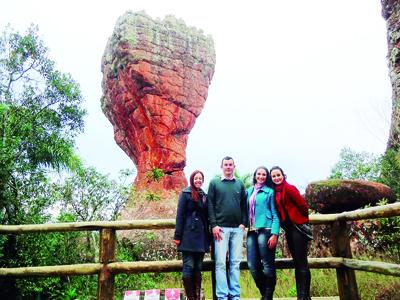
192,233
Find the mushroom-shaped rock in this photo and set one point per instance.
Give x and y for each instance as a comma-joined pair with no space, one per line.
335,196
155,83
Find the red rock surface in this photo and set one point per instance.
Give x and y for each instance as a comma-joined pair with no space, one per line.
335,196
155,83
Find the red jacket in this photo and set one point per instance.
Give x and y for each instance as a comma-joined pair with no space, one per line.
294,205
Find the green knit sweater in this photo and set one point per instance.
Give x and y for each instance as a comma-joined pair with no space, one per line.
226,203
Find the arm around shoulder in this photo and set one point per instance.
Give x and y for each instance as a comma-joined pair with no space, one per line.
298,199
275,218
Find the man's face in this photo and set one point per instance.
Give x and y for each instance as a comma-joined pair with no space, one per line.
228,167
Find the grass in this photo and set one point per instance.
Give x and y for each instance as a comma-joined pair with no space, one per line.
323,284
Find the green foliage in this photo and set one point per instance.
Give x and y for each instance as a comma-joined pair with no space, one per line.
40,116
388,237
133,251
79,196
353,165
246,178
129,251
384,235
323,284
155,175
92,196
51,249
388,231
152,197
391,170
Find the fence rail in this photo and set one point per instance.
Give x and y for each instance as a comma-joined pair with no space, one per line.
176,266
107,267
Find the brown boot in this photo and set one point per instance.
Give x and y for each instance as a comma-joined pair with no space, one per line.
197,285
188,284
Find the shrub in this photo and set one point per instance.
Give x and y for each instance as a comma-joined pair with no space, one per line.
155,175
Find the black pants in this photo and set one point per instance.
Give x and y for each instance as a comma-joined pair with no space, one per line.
298,247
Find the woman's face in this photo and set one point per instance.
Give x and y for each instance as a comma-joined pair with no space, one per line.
198,180
261,176
276,176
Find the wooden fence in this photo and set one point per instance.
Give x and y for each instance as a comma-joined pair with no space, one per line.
107,267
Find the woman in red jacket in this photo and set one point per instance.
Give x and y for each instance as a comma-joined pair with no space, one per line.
293,214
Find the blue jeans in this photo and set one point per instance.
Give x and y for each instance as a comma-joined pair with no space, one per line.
192,263
232,242
260,259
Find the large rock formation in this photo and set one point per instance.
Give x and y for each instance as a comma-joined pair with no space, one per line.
155,83
335,196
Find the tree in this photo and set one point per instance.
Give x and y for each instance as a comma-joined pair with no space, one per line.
246,178
390,170
383,235
92,196
391,14
356,165
83,195
88,195
40,116
390,164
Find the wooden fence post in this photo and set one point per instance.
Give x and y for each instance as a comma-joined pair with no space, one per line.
105,287
346,278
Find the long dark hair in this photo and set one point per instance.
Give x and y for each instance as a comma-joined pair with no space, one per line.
193,189
277,168
268,181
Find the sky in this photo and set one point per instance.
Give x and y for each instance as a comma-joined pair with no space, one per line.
294,82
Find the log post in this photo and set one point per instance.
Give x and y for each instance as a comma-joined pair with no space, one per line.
346,278
105,287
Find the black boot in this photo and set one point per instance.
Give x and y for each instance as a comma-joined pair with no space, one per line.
260,282
188,284
270,283
197,285
303,281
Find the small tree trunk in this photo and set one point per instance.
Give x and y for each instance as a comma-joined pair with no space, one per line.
391,12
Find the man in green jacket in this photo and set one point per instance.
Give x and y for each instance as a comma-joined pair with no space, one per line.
227,215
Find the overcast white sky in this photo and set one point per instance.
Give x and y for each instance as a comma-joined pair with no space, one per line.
295,81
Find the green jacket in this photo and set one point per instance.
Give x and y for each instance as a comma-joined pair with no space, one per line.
265,213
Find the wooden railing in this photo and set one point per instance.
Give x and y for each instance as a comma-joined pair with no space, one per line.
107,267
